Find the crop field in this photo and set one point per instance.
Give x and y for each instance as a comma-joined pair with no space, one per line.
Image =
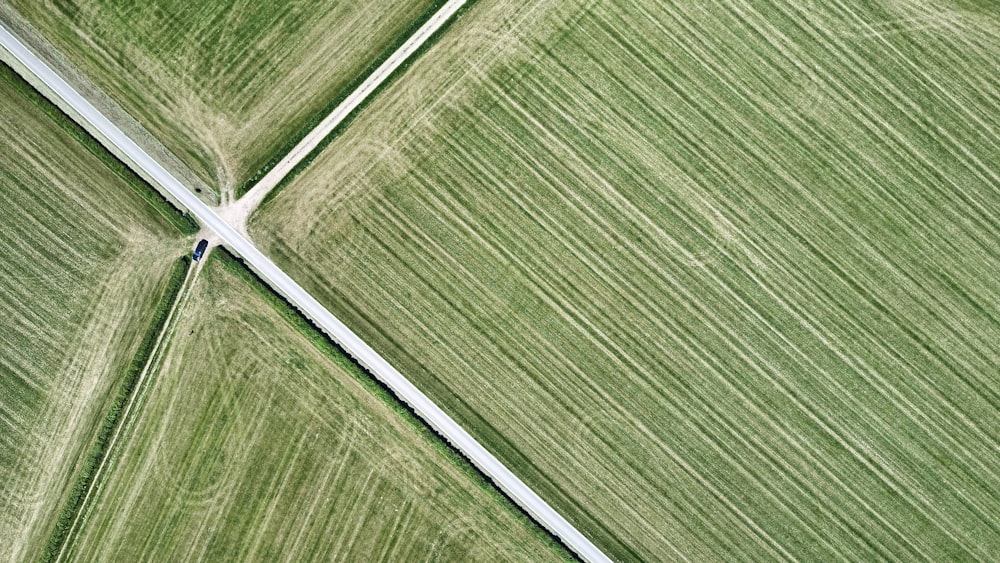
224,85
719,280
84,260
252,443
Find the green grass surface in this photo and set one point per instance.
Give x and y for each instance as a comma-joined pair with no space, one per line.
84,259
253,443
719,280
224,85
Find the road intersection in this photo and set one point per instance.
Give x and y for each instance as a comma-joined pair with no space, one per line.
236,240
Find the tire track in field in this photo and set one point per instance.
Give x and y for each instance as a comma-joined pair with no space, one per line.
396,217
562,360
333,472
842,53
899,270
633,367
502,250
126,418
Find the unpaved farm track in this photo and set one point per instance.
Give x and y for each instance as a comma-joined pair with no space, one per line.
252,199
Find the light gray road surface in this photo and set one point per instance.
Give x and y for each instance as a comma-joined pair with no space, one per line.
350,103
286,286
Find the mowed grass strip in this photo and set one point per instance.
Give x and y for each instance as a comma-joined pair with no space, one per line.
718,280
253,443
84,260
224,85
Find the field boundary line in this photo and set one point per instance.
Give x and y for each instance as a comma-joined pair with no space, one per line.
255,195
129,409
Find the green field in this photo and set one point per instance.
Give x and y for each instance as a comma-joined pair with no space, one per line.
255,444
224,85
718,279
85,260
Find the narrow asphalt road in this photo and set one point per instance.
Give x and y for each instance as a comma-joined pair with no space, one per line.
285,285
312,140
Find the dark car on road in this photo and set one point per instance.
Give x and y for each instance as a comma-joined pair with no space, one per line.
200,249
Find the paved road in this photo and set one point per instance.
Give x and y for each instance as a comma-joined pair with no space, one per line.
281,282
314,137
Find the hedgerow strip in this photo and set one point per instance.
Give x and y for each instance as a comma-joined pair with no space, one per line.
111,420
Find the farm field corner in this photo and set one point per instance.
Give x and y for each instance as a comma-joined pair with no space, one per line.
85,260
719,281
224,85
255,443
